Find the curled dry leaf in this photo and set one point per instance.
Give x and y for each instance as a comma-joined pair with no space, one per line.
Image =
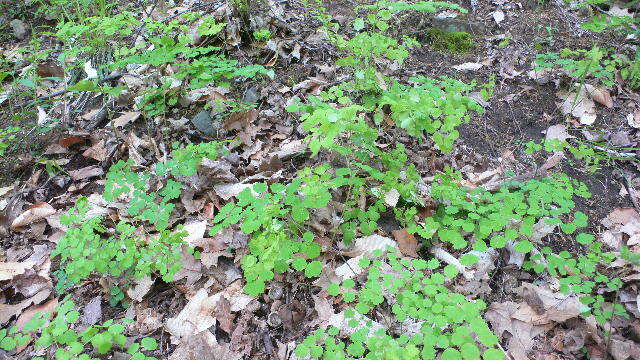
34,213
126,118
363,246
599,95
195,318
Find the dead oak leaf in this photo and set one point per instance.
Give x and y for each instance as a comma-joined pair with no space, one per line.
407,243
35,212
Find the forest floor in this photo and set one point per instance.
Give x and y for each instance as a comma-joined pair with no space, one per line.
64,146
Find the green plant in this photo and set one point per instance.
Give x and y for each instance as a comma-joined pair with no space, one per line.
581,64
262,35
128,254
7,135
449,325
372,44
455,42
60,334
506,215
432,106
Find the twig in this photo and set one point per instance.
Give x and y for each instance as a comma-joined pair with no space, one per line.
630,190
444,255
65,90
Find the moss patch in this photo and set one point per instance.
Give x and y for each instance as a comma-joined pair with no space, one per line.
454,42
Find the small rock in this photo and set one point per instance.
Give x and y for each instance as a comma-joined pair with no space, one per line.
20,29
202,121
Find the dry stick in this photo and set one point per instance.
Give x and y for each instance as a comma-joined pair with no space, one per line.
444,255
65,90
630,190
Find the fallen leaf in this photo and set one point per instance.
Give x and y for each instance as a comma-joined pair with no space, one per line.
557,132
549,306
7,311
140,289
195,318
470,66
195,231
407,243
34,213
500,315
97,152
201,347
9,270
92,312
579,105
600,95
633,119
126,118
86,172
498,16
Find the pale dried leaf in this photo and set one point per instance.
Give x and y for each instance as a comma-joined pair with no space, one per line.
34,213
9,270
126,118
579,105
469,66
195,318
140,289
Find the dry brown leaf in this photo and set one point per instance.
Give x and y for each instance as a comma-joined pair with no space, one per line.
500,315
7,311
28,314
558,132
86,172
70,140
407,243
600,95
201,347
126,118
97,152
34,213
549,306
140,289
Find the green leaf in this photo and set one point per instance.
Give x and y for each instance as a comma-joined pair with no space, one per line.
493,354
313,269
469,259
523,246
254,288
149,343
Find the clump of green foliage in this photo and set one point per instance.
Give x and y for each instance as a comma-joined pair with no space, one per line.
59,333
87,248
451,326
262,35
458,42
7,135
597,64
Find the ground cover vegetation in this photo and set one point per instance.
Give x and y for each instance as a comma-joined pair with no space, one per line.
209,203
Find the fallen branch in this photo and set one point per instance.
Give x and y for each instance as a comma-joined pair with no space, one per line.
65,90
443,255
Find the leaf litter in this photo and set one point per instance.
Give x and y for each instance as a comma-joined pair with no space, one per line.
217,319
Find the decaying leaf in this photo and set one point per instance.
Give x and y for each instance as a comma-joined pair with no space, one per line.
35,212
9,270
407,243
578,104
